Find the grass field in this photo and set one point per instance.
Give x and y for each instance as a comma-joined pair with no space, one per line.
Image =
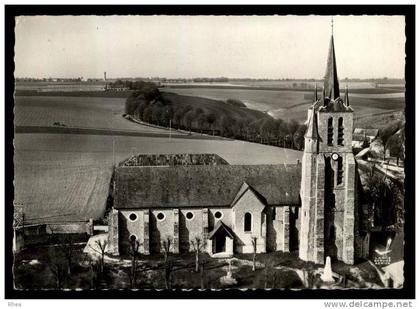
79,112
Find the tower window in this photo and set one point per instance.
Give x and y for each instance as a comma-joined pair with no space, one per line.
340,139
339,171
247,222
330,132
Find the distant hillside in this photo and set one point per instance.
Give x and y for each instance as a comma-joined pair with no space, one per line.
216,117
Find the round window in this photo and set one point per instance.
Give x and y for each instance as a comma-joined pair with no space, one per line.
133,238
160,216
189,215
132,217
218,215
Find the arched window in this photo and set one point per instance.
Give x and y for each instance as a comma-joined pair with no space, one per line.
330,131
248,222
340,138
340,170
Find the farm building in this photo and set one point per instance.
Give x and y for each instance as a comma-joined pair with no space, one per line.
362,138
312,206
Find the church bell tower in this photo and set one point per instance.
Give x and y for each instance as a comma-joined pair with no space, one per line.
328,184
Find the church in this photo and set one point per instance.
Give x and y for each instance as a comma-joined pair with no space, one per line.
311,206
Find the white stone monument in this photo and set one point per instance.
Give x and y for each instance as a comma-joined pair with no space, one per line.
327,274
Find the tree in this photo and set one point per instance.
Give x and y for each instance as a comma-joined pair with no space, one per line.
386,133
167,115
380,195
211,118
134,252
167,244
166,247
254,250
178,117
101,246
67,248
157,113
384,137
147,113
198,245
396,145
268,271
189,118
57,264
299,137
168,273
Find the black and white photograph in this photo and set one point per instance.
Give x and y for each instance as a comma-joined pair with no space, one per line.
211,152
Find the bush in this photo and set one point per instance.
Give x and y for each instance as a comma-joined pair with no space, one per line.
235,102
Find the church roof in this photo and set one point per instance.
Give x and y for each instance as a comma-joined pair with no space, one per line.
244,188
223,227
204,186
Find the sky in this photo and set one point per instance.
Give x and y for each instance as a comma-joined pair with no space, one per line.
208,46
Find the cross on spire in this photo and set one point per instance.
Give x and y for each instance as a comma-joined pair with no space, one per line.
332,25
331,79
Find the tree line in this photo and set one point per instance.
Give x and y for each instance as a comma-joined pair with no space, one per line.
149,105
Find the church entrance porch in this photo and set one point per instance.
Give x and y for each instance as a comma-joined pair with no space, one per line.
220,241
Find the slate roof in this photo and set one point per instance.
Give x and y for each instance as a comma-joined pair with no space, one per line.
332,89
220,225
203,185
367,132
244,188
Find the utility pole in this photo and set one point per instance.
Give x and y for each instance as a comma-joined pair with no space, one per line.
170,129
113,151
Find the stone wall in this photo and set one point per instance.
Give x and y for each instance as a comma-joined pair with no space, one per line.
130,228
191,228
173,160
249,203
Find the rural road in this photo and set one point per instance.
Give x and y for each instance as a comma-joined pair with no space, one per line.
92,131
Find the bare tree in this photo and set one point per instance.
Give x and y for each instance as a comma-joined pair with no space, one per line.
134,253
202,275
269,272
169,267
57,263
67,248
254,249
198,245
166,247
101,248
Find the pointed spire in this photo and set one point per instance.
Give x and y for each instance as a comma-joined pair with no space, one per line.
346,97
316,93
312,130
331,77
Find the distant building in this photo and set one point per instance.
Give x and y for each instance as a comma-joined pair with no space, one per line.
363,137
